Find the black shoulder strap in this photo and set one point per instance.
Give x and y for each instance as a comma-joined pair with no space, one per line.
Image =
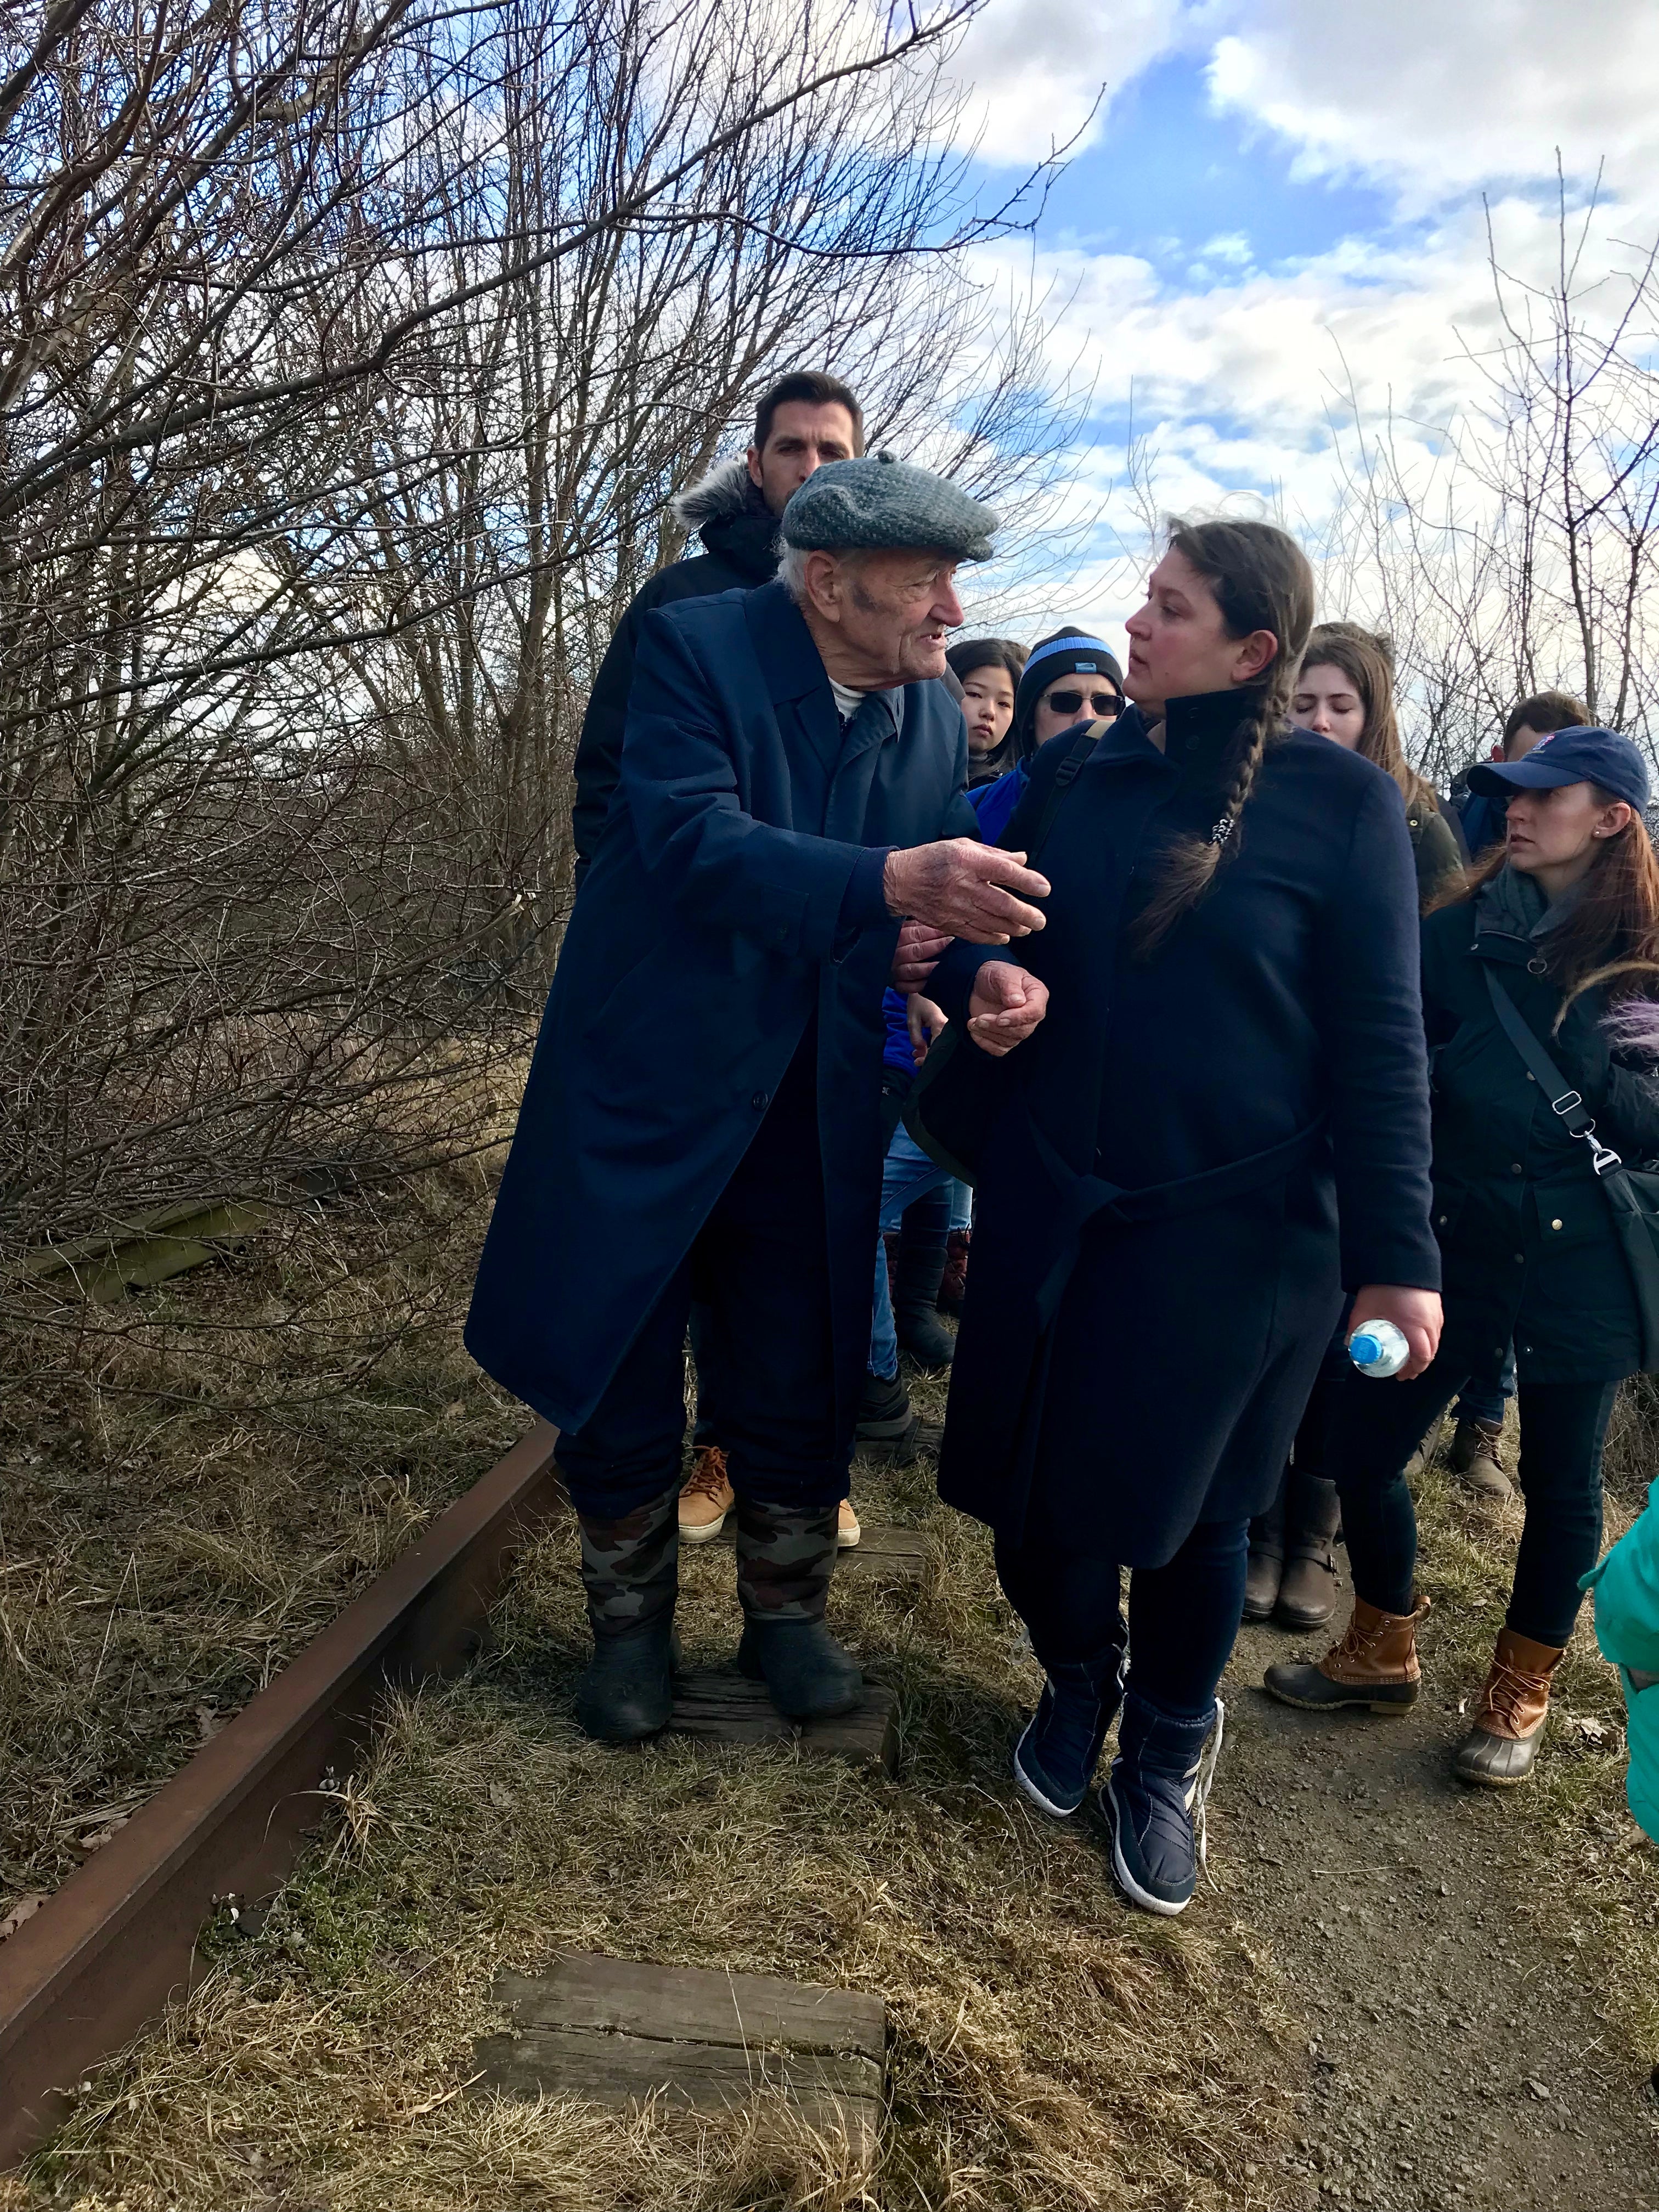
1564,1099
1065,776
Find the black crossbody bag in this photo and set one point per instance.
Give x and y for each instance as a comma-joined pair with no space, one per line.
958,1092
1632,1193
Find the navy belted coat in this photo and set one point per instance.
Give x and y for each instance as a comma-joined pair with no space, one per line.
1129,1378
735,895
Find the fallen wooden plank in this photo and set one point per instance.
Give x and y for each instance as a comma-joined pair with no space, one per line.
881,1549
622,2032
117,1940
720,1707
152,1248
589,1989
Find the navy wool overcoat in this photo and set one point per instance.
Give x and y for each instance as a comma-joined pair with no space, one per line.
1121,1382
733,897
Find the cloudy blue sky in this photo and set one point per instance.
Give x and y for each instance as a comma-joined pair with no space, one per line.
1281,212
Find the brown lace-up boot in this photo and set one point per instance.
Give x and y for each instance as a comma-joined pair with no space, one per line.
706,1498
1374,1664
1500,1748
1475,1457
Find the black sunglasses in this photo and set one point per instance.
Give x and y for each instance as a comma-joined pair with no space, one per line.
1106,704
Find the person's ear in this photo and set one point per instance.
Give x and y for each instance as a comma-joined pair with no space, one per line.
824,585
755,476
1612,820
1256,654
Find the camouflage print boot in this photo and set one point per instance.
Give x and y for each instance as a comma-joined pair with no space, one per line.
630,1569
785,1555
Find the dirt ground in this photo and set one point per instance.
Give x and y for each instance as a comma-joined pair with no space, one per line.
1463,2056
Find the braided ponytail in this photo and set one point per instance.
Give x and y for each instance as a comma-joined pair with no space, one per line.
1261,580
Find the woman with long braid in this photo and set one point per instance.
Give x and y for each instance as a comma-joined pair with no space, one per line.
1234,1042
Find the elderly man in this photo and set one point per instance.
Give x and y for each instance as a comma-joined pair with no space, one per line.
703,1116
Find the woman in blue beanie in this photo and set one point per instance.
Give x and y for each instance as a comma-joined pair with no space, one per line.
1070,676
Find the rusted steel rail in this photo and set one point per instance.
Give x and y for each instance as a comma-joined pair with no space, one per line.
103,1953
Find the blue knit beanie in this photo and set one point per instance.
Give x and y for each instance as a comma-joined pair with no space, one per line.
1073,653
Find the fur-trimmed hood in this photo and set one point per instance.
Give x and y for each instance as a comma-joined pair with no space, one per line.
726,490
726,511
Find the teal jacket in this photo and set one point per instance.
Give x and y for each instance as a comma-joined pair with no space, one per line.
1626,1586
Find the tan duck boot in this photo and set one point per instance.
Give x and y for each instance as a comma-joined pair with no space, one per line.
1374,1664
1499,1750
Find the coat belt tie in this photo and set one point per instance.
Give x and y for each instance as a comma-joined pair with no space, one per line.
1085,1198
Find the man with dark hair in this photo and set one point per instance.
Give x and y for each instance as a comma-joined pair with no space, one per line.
803,421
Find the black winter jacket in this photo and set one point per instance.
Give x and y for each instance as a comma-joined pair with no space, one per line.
740,550
1529,1248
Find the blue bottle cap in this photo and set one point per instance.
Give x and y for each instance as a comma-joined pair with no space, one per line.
1364,1349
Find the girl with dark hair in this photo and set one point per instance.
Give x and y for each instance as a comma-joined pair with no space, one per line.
1344,692
1233,1040
1548,946
989,669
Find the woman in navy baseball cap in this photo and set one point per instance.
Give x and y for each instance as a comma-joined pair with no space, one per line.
1549,946
1600,758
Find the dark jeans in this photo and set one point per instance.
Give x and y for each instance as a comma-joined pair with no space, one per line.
1379,1425
1183,1616
1484,1397
759,1270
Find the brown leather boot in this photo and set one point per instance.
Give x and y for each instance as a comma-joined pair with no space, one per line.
1375,1665
1509,1716
1313,1514
1475,1457
953,1287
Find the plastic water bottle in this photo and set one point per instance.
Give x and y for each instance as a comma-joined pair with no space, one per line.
1379,1349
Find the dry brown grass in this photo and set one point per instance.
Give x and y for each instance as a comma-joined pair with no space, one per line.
195,1481
1048,2049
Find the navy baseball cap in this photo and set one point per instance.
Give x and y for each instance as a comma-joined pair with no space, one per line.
1599,756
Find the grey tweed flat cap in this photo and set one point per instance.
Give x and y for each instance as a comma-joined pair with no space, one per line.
882,505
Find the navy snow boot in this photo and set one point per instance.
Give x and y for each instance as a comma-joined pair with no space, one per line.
1054,1760
1153,1802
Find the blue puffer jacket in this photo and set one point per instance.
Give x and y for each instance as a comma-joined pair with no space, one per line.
993,803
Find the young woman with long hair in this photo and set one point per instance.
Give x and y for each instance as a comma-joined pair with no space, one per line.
1233,1039
1344,692
1560,925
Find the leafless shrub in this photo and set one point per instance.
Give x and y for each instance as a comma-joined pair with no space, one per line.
348,355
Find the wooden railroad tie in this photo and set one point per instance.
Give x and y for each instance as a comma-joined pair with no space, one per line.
620,2032
718,1706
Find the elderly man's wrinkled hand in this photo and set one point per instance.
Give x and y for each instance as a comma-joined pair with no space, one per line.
1005,1007
916,955
965,890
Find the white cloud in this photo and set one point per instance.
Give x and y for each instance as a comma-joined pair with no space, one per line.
1244,387
1440,99
1033,69
1244,381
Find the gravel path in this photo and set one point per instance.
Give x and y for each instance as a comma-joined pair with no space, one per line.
1460,2059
